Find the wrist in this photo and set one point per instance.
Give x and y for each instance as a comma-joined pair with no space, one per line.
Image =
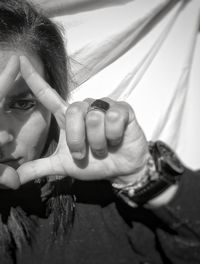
136,183
159,183
139,174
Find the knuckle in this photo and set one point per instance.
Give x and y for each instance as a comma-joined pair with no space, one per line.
126,106
107,99
88,100
113,116
74,108
94,118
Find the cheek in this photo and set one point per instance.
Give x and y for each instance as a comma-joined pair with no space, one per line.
32,136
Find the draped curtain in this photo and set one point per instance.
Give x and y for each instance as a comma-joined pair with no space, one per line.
146,52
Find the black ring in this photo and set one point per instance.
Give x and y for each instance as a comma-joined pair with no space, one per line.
99,105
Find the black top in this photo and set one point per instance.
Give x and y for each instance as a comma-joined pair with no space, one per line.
106,230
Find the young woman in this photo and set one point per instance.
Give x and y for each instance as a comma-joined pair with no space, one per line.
63,162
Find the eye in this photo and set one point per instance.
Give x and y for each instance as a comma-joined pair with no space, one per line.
22,104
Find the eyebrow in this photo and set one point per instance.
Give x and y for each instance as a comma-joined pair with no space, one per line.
24,94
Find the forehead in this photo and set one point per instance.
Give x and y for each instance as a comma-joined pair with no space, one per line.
19,84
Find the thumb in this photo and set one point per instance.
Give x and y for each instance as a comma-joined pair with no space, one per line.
40,168
8,177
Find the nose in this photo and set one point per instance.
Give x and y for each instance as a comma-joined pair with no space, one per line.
5,138
5,128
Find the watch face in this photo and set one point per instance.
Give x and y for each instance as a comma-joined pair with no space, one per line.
169,158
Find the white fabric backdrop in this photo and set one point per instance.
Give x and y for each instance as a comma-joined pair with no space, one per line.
146,52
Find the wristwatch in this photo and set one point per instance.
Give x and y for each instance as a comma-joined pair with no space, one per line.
163,170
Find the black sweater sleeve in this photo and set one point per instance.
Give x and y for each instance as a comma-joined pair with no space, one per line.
180,242
172,231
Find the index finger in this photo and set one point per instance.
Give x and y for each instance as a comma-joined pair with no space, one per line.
8,75
43,91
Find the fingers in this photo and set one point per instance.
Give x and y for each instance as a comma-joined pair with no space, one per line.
96,134
95,128
98,130
116,120
40,168
8,178
42,90
8,75
75,129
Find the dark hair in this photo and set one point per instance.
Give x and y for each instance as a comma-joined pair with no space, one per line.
23,27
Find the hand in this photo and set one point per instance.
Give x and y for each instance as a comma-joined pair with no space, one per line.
8,176
92,145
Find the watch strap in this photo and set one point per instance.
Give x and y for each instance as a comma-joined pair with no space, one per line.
160,175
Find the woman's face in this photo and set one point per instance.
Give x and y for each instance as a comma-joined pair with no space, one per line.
24,122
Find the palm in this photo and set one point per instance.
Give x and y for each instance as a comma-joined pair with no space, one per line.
120,160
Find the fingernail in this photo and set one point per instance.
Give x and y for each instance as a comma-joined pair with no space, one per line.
100,152
77,155
115,142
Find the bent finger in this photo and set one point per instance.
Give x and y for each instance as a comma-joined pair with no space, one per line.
95,127
116,120
43,91
75,129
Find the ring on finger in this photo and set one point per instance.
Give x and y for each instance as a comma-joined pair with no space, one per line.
100,105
